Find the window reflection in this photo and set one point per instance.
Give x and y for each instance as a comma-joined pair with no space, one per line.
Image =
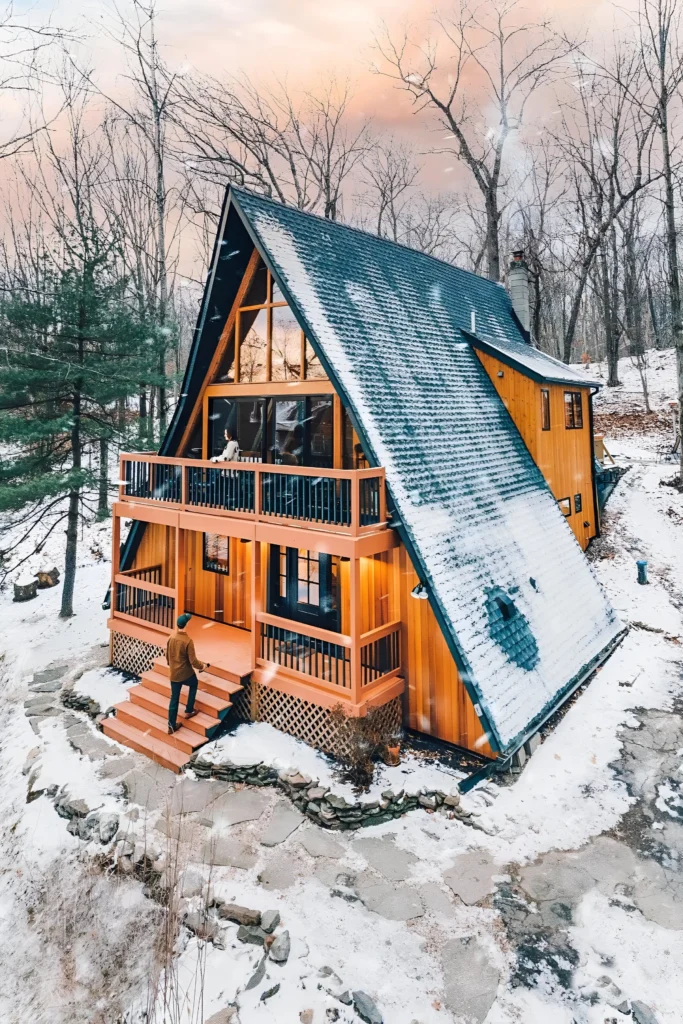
253,347
286,345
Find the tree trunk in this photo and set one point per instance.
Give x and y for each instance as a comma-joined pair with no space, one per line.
611,335
103,497
659,342
492,241
672,258
67,609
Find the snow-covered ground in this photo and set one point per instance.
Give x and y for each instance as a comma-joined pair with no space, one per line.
575,865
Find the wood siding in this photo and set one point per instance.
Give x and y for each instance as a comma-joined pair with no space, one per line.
214,595
563,456
157,547
437,701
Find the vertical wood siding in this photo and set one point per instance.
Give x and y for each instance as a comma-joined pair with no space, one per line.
214,595
438,703
563,456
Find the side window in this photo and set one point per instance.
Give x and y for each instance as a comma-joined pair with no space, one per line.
573,410
545,409
565,506
216,553
578,504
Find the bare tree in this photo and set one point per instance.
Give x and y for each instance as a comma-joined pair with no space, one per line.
500,59
300,151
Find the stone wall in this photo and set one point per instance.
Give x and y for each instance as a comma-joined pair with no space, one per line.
323,807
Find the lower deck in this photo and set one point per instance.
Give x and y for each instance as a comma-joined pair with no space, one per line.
332,625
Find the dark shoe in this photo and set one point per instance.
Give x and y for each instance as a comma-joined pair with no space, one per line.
191,714
172,729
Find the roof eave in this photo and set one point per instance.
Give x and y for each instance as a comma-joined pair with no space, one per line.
514,364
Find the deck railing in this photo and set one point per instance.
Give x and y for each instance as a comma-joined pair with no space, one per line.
144,601
381,655
349,501
325,660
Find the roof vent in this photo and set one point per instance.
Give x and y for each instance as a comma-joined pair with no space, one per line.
518,285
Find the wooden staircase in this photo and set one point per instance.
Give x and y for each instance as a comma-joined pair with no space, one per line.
141,722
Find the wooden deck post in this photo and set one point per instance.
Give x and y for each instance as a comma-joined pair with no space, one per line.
256,600
356,628
115,555
179,571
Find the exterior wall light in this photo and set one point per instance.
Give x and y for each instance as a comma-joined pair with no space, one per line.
420,592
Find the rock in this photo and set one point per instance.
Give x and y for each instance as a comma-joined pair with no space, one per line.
306,1017
270,919
336,802
332,1013
202,927
228,852
519,758
68,808
124,848
642,1013
31,759
429,802
471,877
284,820
279,951
109,826
366,1009
224,1016
452,800
240,915
270,992
48,675
251,933
233,808
50,687
471,980
623,1007
387,858
258,975
533,743
317,793
280,873
319,844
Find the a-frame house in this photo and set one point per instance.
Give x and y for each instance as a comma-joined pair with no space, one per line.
404,527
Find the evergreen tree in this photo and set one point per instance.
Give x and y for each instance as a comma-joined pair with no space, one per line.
74,352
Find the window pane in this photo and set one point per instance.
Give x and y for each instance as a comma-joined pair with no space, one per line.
226,371
578,410
319,428
253,346
250,427
314,370
277,294
217,553
256,296
288,431
565,506
545,409
314,594
286,345
578,503
302,596
568,410
223,414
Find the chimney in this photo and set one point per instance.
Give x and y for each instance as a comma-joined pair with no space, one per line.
518,286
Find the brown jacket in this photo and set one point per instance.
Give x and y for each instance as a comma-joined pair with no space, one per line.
181,657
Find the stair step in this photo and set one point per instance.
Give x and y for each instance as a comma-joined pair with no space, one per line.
202,723
217,707
226,674
154,725
157,750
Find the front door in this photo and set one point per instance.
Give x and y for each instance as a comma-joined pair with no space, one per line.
304,586
218,578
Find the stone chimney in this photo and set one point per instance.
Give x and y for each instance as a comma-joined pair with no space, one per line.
518,286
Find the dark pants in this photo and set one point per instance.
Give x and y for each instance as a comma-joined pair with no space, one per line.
175,698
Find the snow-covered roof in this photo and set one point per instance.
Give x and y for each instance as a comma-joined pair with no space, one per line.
530,361
481,525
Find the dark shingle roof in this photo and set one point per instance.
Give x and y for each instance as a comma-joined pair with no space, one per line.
476,514
530,361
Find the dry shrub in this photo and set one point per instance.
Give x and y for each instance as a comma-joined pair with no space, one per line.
367,739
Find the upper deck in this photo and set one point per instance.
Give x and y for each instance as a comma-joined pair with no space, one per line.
351,502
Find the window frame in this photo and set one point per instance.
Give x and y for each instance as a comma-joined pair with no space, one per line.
214,566
578,503
573,401
269,305
545,409
569,506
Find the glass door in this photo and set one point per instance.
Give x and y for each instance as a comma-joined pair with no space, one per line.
304,586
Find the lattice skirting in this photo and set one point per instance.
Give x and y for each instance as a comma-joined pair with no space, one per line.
133,655
314,725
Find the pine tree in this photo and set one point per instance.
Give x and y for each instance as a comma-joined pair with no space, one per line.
73,351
